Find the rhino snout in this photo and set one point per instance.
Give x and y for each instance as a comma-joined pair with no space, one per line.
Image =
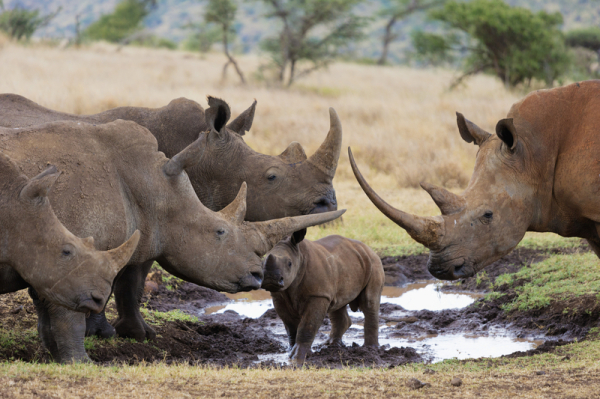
93,303
449,270
326,203
251,281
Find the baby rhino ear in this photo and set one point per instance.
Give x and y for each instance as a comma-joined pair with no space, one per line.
298,236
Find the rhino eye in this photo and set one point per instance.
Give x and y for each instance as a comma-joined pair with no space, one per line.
488,214
220,232
271,177
290,264
66,252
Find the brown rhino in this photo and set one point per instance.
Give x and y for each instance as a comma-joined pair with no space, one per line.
539,172
64,269
308,280
116,181
278,186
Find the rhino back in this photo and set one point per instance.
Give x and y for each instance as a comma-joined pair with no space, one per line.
102,173
338,266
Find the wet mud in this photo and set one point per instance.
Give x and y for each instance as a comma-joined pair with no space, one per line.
230,339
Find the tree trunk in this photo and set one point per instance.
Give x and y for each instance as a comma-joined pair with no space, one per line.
230,58
387,39
292,72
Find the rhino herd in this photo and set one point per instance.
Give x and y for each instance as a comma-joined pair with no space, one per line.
179,186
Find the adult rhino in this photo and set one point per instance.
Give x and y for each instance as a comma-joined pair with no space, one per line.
539,172
116,181
63,268
278,186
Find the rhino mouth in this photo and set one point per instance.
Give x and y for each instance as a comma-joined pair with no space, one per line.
326,203
452,269
249,282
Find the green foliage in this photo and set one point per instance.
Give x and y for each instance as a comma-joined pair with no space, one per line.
557,278
221,12
313,31
434,49
514,43
124,21
588,38
20,23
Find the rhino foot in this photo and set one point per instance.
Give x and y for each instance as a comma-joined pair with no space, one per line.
97,325
135,328
298,354
337,342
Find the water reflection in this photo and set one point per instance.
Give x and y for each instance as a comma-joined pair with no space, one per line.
427,295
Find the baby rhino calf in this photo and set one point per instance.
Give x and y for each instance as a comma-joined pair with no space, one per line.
310,279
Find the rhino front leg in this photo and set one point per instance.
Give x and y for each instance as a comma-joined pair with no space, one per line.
97,325
61,330
316,309
129,289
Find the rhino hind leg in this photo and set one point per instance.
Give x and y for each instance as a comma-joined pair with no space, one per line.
97,325
340,322
316,309
368,302
129,289
61,331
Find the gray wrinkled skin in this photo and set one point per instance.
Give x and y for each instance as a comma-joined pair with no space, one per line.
278,186
539,172
63,268
116,181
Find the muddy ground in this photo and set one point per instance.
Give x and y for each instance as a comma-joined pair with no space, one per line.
228,339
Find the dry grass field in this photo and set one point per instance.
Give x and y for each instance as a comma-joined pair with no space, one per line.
401,126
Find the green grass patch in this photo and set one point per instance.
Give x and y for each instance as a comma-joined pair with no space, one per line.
17,339
160,318
557,278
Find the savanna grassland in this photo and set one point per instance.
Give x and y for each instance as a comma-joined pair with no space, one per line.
401,126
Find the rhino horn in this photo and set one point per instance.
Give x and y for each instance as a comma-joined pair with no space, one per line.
266,234
188,157
236,210
448,202
470,132
293,154
243,122
39,186
121,255
425,230
326,157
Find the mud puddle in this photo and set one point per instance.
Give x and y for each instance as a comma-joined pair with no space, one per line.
400,306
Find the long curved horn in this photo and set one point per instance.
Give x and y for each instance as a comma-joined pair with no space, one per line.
264,235
121,255
326,157
448,202
236,210
425,230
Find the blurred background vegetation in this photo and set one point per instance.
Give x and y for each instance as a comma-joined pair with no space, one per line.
522,42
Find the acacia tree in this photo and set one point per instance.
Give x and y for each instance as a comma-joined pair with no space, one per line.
124,21
20,23
222,13
396,11
315,31
514,43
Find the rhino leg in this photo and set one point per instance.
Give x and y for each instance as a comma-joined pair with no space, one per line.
61,331
340,322
129,289
368,303
316,309
97,325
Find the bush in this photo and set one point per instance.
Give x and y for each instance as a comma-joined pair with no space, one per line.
123,22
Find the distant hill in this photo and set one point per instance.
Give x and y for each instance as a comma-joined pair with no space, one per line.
168,19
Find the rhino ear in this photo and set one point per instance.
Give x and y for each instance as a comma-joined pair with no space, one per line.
470,132
298,236
293,154
189,156
243,122
236,211
505,129
38,188
217,114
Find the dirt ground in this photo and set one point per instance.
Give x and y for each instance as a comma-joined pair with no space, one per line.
228,339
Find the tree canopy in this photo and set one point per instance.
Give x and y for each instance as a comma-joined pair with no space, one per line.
514,43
